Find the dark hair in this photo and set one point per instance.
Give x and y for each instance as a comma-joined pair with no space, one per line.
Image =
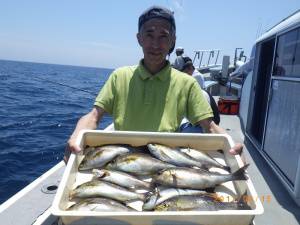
158,12
187,62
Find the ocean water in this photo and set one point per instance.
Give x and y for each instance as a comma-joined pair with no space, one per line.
39,107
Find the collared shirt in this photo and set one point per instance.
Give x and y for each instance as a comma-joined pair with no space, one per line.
199,77
140,101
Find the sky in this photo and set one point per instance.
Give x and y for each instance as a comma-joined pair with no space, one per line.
101,33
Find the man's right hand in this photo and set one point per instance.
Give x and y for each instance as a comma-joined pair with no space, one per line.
71,147
88,121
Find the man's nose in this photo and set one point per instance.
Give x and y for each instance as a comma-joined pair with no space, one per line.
155,42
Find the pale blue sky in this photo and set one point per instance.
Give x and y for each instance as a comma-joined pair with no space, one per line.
103,33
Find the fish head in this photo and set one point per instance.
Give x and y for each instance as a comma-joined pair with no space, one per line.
150,201
111,165
83,165
100,173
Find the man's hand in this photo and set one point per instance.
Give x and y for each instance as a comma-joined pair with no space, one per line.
211,127
88,121
237,149
71,147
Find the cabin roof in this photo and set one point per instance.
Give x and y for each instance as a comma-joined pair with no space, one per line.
284,24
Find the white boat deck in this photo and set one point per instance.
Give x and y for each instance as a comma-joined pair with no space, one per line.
279,207
31,206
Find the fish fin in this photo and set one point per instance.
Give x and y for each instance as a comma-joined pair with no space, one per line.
210,190
174,179
149,194
220,151
240,173
227,168
204,167
146,196
152,185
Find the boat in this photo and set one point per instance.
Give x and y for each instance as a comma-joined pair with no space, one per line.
269,92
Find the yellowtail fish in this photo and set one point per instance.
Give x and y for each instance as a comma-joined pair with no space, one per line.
97,188
100,205
138,164
101,156
121,178
199,203
196,178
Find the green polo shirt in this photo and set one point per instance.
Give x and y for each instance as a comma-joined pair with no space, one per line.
140,101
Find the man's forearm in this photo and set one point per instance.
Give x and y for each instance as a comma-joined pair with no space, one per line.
88,121
85,122
210,127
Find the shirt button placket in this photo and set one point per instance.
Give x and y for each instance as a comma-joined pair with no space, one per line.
148,91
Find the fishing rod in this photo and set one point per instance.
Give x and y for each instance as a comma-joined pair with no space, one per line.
65,85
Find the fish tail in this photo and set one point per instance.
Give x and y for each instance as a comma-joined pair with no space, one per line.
227,168
146,196
72,195
240,173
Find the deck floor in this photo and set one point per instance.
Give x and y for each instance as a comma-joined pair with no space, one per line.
280,209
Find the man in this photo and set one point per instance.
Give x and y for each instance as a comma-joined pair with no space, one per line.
151,96
188,67
179,58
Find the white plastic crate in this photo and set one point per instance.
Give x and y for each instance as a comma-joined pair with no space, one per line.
205,142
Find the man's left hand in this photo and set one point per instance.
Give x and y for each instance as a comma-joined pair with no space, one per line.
237,149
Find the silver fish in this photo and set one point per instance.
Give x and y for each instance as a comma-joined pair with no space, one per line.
206,160
101,156
162,195
199,203
121,178
138,164
99,205
196,178
97,188
173,156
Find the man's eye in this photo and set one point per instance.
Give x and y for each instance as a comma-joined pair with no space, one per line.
149,35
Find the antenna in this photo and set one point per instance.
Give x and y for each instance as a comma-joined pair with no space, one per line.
258,31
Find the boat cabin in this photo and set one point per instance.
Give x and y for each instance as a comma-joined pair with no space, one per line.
272,90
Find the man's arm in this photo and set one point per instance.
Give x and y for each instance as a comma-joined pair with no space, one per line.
210,127
88,121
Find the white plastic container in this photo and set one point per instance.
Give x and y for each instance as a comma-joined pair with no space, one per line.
206,142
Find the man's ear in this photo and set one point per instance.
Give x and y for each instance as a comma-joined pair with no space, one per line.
172,44
138,36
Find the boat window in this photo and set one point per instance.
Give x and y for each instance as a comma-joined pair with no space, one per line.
287,60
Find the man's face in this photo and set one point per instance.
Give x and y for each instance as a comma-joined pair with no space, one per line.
156,38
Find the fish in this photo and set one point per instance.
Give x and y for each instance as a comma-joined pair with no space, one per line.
160,196
174,156
199,203
206,160
88,149
196,178
121,179
101,156
138,164
97,188
100,205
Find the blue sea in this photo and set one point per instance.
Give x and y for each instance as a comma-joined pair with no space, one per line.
40,105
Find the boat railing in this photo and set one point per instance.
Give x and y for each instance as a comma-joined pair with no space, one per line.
211,55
